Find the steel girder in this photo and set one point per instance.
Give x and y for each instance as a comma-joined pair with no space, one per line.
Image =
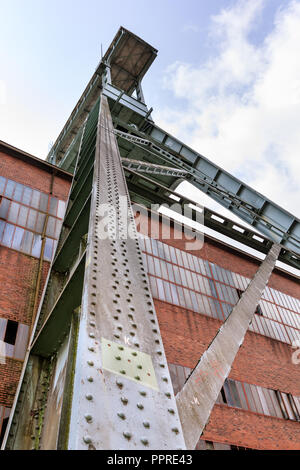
95,375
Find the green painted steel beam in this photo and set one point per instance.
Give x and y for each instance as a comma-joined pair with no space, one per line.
58,321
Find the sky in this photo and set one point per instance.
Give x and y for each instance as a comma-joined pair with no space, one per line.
226,80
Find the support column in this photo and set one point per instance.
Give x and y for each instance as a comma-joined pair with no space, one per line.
199,394
122,396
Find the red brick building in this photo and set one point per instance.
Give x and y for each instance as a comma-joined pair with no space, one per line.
194,292
33,194
259,406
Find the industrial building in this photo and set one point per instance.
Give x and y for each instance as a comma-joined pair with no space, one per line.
122,326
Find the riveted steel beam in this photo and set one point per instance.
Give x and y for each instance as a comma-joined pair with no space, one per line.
122,396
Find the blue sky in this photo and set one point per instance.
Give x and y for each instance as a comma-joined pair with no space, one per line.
226,80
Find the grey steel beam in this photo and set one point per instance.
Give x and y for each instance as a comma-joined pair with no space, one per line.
199,394
122,396
105,384
52,345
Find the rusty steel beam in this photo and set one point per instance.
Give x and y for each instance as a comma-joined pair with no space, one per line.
196,399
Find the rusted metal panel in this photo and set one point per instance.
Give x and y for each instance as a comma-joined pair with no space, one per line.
52,415
109,410
198,396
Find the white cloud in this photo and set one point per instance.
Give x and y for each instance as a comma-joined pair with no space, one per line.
241,108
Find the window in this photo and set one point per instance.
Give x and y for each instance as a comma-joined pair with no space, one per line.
11,332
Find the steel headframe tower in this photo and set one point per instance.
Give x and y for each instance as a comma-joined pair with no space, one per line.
95,375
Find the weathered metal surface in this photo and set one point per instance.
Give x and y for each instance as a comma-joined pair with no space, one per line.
199,394
109,411
145,167
128,58
51,418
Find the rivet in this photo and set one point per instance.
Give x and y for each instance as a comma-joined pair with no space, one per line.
90,363
168,395
134,353
140,406
89,397
165,379
91,335
92,349
118,358
90,379
121,348
176,430
122,372
88,418
145,442
139,366
146,424
121,416
137,378
87,439
92,323
143,394
127,435
119,384
171,411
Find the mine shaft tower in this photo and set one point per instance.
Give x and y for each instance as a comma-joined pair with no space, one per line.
95,375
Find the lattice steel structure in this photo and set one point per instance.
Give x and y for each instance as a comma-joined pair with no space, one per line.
95,373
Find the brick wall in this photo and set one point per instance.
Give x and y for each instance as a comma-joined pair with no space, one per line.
226,257
9,378
26,173
18,274
18,271
245,429
260,360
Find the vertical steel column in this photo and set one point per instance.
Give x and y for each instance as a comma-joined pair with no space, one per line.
199,394
123,396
